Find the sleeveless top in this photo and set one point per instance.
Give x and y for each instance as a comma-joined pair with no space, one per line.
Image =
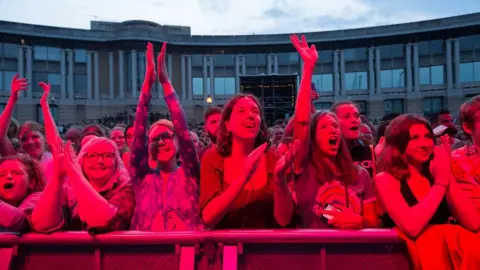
442,214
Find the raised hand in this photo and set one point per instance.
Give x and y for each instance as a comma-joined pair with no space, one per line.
18,84
252,160
162,66
150,69
70,160
309,55
46,93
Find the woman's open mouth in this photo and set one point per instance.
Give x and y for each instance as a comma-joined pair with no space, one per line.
7,186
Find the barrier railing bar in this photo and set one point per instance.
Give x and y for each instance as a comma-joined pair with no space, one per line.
187,258
230,257
191,238
6,254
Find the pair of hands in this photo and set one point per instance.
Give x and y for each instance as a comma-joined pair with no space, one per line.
21,84
345,219
150,75
281,166
64,159
440,166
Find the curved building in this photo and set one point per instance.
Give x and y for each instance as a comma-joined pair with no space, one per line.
418,67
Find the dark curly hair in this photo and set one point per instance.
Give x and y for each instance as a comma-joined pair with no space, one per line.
36,182
224,138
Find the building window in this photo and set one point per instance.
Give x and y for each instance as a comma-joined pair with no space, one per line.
9,50
6,77
197,60
53,110
80,83
197,86
432,105
224,60
357,54
325,56
323,106
80,56
323,82
433,75
393,106
286,59
356,80
224,86
37,78
55,81
392,78
46,53
470,72
253,60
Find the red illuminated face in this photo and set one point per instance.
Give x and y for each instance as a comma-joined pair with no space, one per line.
420,146
162,145
327,135
33,143
211,126
245,120
473,129
13,182
445,119
277,134
118,137
99,163
349,119
129,138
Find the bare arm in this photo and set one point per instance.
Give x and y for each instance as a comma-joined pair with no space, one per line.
462,208
411,220
6,147
51,130
213,203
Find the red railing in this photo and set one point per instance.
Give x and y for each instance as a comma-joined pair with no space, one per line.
243,249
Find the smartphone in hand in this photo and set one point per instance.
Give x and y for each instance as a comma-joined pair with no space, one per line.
329,207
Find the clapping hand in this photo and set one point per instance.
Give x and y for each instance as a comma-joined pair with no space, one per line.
161,65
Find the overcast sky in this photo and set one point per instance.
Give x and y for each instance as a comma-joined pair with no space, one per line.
230,17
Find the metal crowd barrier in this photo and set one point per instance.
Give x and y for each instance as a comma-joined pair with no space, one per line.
228,250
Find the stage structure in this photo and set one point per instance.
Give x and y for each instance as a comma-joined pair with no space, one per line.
277,94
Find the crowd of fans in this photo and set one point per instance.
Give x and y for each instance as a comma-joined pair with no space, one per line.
319,169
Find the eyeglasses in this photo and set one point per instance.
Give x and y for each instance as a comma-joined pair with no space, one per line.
94,155
165,137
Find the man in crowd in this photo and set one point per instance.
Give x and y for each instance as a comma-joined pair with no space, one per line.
212,121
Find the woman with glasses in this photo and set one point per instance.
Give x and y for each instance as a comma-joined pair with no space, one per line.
99,195
167,194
